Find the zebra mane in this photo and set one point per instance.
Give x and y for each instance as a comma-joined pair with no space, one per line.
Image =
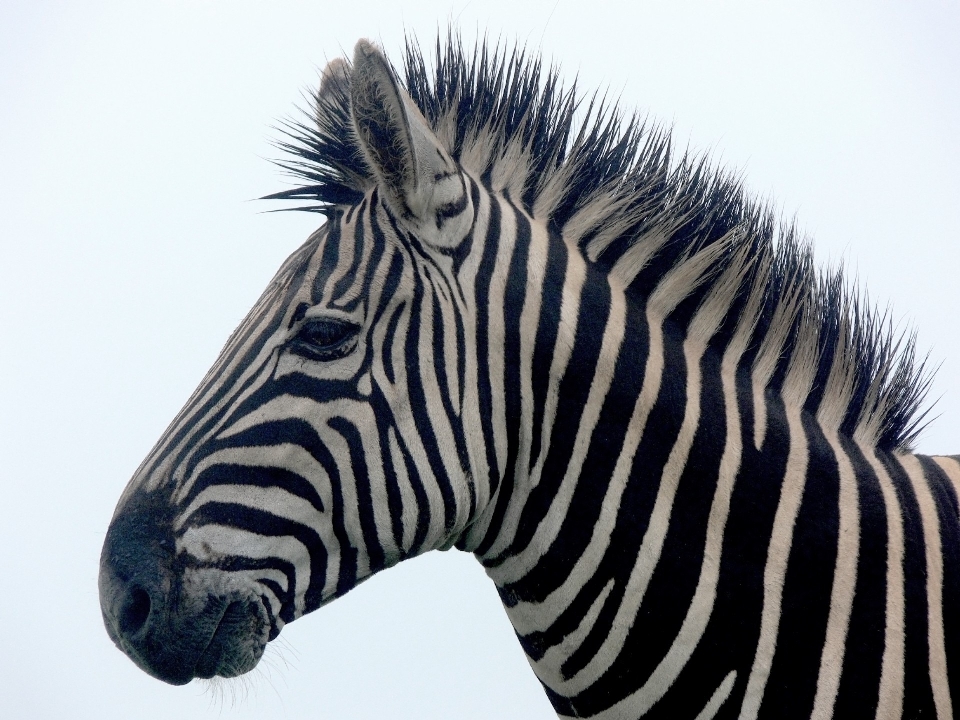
611,183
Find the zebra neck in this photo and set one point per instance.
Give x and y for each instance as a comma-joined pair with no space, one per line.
666,575
559,350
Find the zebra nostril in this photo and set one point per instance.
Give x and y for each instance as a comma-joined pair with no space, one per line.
135,610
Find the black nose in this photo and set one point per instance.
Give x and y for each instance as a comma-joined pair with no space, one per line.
136,581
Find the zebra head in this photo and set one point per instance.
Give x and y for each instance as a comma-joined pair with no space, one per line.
338,431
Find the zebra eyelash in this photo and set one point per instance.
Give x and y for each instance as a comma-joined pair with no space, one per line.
324,338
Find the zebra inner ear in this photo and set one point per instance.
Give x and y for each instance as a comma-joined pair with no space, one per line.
422,182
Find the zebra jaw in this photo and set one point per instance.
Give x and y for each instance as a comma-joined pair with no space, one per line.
174,621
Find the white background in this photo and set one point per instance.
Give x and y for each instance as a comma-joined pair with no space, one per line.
133,141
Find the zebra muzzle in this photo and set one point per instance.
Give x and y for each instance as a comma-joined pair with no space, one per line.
174,630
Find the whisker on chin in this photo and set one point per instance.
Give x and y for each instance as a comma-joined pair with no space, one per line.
237,688
284,651
236,691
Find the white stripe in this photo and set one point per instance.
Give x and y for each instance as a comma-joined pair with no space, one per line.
450,315
767,358
547,668
529,324
844,585
363,418
759,393
274,500
890,699
496,332
774,572
951,468
931,540
718,698
470,410
284,456
410,508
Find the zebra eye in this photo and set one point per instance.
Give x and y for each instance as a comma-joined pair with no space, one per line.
325,339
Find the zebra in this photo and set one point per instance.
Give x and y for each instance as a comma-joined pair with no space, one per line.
681,452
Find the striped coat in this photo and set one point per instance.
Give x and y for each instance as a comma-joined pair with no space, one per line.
680,452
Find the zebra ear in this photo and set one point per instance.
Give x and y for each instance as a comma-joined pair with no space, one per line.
335,81
335,78
333,96
423,184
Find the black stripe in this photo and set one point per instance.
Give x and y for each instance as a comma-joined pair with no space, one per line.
555,274
501,485
263,522
730,639
947,514
807,586
859,688
918,694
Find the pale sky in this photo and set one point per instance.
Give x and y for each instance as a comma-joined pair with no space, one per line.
134,138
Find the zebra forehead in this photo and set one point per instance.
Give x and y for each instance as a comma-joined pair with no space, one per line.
611,186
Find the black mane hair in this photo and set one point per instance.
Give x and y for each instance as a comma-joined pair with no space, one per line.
611,182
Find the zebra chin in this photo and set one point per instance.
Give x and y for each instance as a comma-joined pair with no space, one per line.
175,622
